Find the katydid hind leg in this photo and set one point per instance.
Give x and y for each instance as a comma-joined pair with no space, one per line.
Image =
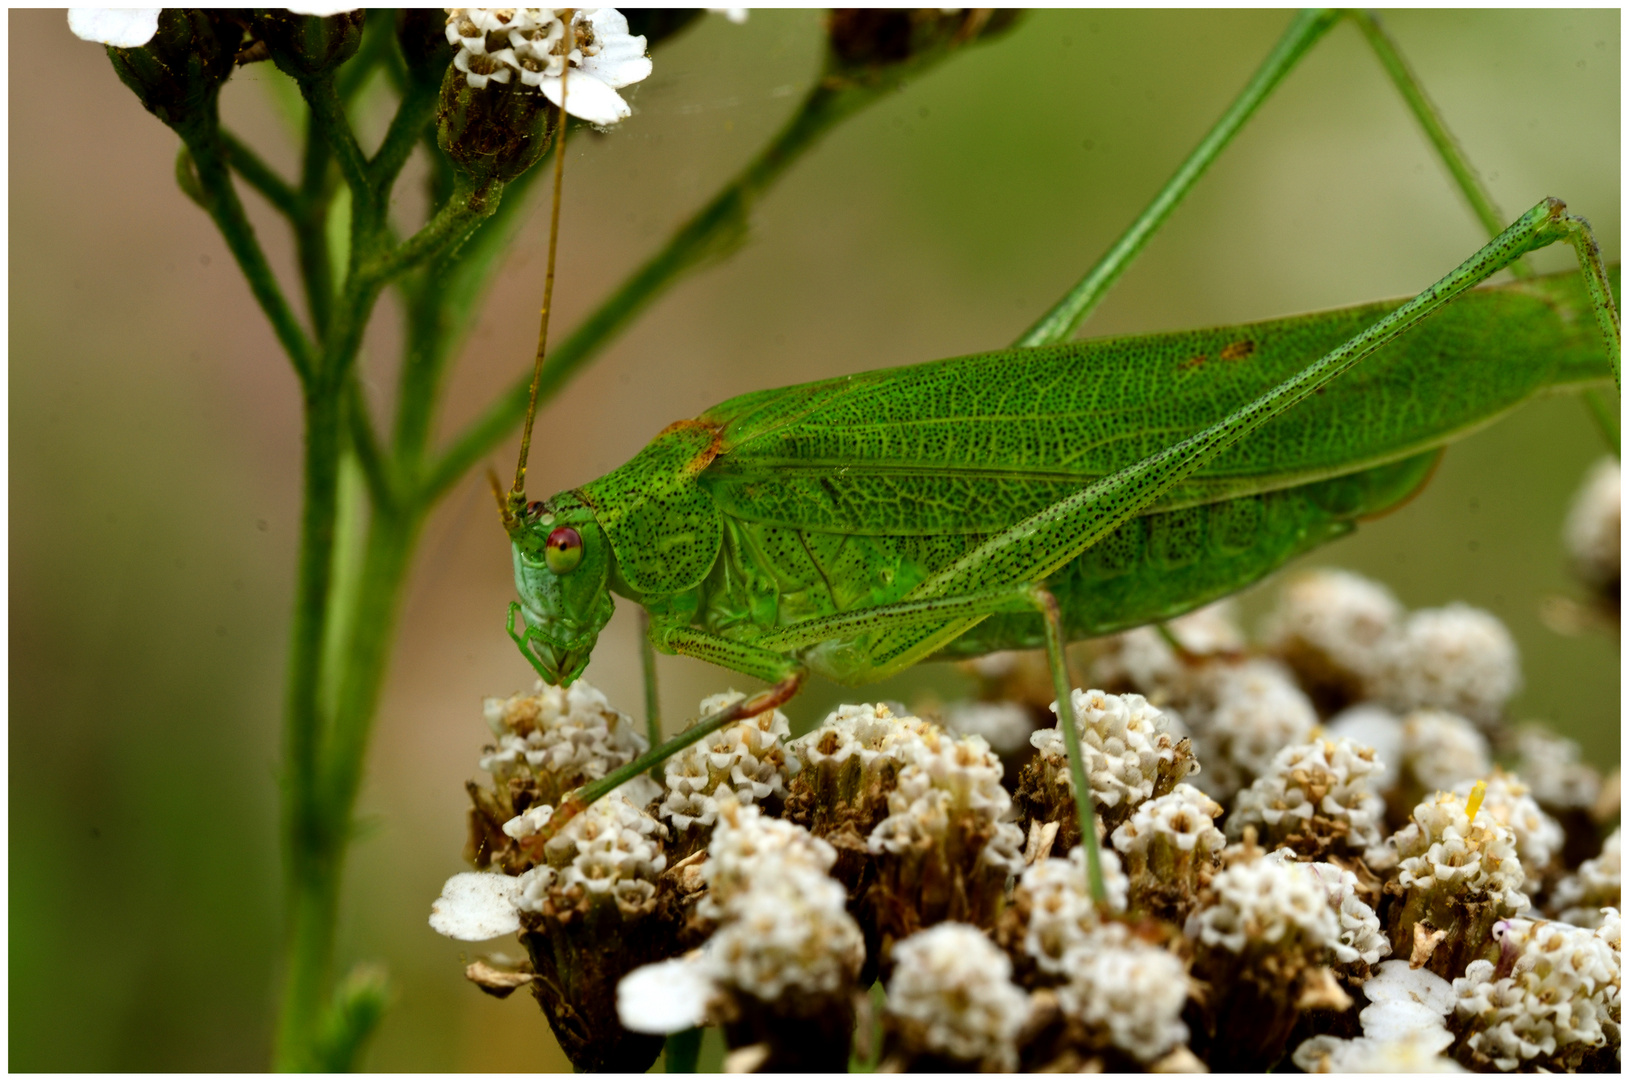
1035,548
1039,545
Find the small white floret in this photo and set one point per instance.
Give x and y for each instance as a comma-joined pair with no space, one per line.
1133,990
477,907
956,985
1457,658
1441,750
1125,742
1593,526
123,28
659,999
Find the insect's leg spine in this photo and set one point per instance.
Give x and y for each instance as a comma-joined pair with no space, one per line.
588,794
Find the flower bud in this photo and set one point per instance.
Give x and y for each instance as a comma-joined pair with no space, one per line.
180,71
305,46
494,132
867,41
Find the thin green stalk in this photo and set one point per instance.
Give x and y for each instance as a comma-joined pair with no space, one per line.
1062,320
328,117
223,205
469,205
417,108
311,229
375,469
311,838
391,538
261,177
1429,118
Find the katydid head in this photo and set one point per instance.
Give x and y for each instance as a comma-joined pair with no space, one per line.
561,568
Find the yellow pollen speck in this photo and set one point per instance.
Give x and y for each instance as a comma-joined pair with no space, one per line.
1476,796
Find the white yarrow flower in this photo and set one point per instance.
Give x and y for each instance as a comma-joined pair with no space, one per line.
495,43
124,28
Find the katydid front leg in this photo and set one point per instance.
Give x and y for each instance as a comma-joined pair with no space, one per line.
848,633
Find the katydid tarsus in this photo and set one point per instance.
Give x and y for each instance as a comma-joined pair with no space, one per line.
856,526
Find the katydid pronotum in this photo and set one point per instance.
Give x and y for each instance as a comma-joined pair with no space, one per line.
856,526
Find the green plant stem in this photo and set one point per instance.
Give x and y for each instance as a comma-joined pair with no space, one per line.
312,838
1429,118
226,209
311,229
1061,321
260,176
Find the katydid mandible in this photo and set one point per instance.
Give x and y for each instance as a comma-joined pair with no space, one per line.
856,526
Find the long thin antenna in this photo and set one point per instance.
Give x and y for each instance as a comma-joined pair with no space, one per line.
516,495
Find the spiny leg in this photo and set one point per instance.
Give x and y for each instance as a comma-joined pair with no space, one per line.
1038,546
1062,320
1083,798
1303,33
1016,597
588,794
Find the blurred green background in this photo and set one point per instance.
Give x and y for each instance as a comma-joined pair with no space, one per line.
155,435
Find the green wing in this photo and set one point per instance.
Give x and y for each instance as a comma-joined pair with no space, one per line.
977,443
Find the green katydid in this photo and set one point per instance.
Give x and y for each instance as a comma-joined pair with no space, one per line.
856,526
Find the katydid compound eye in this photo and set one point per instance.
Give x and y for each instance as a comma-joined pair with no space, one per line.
564,550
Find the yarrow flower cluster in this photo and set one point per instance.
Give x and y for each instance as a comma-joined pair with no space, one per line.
744,762
496,44
1582,898
1130,752
1593,526
1132,991
1537,837
1330,625
1552,999
747,847
1360,936
1266,904
1257,711
611,850
566,736
951,781
1315,798
881,843
1061,917
951,995
1171,848
1456,658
